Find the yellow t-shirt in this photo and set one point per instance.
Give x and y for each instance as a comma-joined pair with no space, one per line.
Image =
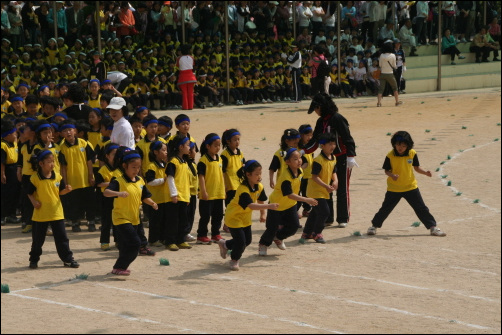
55,149
402,166
95,103
107,174
178,168
324,167
11,152
76,163
307,172
126,210
235,215
194,179
213,174
144,149
233,164
27,150
47,193
156,171
94,137
286,178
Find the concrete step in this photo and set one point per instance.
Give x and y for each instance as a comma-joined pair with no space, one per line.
448,70
424,61
429,50
454,82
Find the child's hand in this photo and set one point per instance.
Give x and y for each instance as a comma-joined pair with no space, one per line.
155,206
174,199
395,177
91,179
4,179
263,217
334,185
68,188
428,173
329,188
273,206
204,195
37,204
272,184
311,202
123,194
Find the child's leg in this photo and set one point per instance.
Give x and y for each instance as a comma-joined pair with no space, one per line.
155,222
205,216
389,203
61,241
129,244
27,206
271,225
10,192
216,216
290,223
89,206
241,238
182,221
141,234
415,200
184,96
106,220
191,208
342,193
331,206
39,229
308,229
172,224
322,213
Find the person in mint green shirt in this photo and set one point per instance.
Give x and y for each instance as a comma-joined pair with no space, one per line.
449,46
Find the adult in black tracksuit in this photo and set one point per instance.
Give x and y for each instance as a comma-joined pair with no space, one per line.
295,61
331,121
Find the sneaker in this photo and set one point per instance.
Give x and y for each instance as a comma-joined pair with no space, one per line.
156,244
305,213
72,264
461,57
75,227
453,63
319,239
262,250
2,222
184,245
371,230
33,265
495,59
203,240
105,246
234,265
399,103
280,244
190,238
172,247
12,219
49,232
121,272
435,231
27,229
328,223
216,238
210,104
223,248
145,251
263,101
91,227
342,225
269,101
220,104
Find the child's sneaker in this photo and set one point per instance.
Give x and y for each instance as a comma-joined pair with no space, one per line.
203,240
27,229
305,237
234,265
435,231
156,244
145,251
372,231
105,246
216,238
172,247
190,238
121,272
91,227
262,250
223,248
184,245
280,244
342,225
319,239
75,227
72,264
49,232
33,265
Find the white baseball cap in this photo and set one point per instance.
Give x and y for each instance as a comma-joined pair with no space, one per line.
116,103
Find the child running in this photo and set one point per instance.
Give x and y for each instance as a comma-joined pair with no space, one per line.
128,191
323,182
44,188
239,211
211,189
289,139
286,195
401,183
306,133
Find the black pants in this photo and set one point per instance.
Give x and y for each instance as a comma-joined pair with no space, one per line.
317,85
288,219
106,221
177,222
398,74
415,200
317,218
10,191
230,196
38,234
128,245
342,193
303,192
158,221
210,210
241,238
481,52
80,201
26,205
191,208
297,87
452,51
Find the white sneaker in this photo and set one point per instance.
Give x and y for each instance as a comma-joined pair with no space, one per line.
263,101
223,248
189,238
371,231
234,265
210,104
220,104
435,231
269,101
280,244
262,250
342,225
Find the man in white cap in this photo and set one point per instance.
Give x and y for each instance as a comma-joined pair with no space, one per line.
122,133
295,61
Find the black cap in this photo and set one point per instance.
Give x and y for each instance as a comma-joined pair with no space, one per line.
317,101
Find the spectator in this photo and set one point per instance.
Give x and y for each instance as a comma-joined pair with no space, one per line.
16,26
5,22
407,37
449,46
282,18
61,18
45,29
481,46
388,64
126,21
494,30
74,102
317,17
386,33
30,22
378,10
75,20
448,12
243,14
464,8
349,15
304,15
421,22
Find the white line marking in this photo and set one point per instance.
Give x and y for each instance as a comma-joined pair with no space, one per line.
390,309
87,309
402,285
445,181
263,316
71,281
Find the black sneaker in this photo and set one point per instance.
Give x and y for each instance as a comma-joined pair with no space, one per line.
76,228
91,227
72,264
12,219
33,265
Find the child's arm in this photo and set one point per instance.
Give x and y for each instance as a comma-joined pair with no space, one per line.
271,176
391,175
262,206
150,202
67,189
334,184
418,169
319,181
296,197
202,186
35,202
263,213
4,178
90,174
63,173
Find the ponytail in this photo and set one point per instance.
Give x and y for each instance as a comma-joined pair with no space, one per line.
39,156
248,167
289,134
210,138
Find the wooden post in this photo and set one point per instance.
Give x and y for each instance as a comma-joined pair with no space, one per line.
182,6
294,19
227,46
98,27
55,14
339,54
440,23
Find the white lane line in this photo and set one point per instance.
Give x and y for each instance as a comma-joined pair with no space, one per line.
193,302
329,297
71,281
400,284
454,189
88,309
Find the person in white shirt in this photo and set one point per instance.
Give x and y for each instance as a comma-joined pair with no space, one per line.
388,65
295,61
318,14
122,133
304,15
407,37
386,33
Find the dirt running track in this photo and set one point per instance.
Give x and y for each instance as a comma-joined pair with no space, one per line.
400,281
